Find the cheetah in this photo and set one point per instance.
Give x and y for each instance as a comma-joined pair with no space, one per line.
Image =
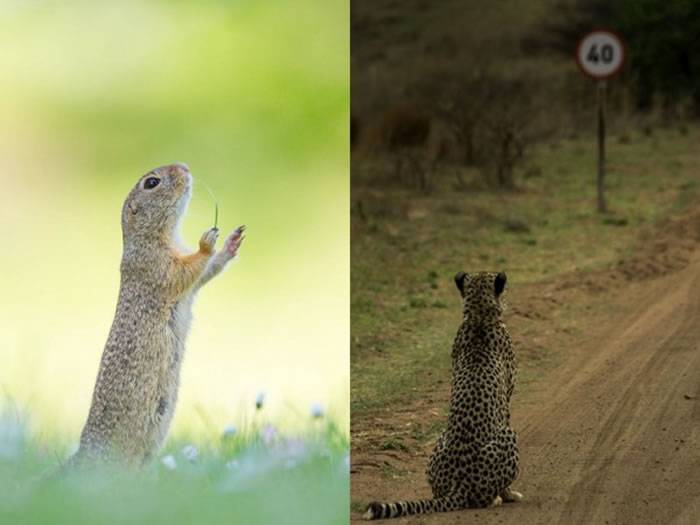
475,459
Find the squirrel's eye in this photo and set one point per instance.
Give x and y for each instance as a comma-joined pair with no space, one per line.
151,182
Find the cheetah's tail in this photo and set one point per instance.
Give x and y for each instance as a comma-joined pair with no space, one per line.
377,511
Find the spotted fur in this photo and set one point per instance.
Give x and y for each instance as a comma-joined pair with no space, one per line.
475,459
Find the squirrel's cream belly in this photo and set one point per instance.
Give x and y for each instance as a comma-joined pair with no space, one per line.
178,328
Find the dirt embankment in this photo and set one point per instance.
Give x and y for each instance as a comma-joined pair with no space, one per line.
611,434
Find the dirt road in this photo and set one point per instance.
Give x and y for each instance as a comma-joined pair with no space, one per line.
612,435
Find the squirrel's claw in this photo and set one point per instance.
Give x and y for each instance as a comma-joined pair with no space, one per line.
233,241
208,240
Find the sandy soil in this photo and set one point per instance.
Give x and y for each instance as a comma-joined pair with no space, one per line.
609,435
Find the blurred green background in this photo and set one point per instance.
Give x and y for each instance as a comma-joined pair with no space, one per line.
254,97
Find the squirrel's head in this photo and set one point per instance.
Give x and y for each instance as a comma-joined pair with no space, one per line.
481,293
157,201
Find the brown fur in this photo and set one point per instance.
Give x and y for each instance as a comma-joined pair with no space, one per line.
137,383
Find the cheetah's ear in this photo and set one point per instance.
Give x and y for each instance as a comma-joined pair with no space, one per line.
500,283
459,281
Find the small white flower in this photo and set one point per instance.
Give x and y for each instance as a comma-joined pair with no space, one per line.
260,400
269,433
190,452
317,410
169,462
229,431
232,465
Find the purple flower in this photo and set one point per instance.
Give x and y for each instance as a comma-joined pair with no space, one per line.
190,452
269,433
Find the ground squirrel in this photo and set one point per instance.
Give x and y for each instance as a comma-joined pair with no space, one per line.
137,383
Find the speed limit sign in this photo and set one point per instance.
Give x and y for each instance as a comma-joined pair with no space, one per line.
600,54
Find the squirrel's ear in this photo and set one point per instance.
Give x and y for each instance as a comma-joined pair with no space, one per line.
132,210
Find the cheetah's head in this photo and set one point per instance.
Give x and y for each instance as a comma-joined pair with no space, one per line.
481,293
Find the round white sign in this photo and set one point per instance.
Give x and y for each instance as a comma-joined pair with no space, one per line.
600,54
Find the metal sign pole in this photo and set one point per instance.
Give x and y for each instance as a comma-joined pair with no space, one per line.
602,95
600,54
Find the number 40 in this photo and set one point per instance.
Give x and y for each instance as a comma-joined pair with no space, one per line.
605,55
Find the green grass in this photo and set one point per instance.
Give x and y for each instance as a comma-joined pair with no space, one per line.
407,246
252,476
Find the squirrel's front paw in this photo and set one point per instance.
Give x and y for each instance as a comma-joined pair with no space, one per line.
208,240
233,241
